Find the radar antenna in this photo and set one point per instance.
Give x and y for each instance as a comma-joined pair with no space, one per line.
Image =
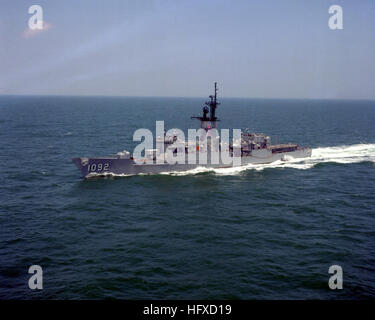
213,103
208,122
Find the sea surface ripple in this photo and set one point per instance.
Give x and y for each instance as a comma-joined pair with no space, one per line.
257,232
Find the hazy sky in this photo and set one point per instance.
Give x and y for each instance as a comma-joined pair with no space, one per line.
253,48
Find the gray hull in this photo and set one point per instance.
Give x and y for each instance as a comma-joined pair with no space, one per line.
93,167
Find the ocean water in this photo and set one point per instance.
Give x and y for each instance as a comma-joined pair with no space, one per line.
259,232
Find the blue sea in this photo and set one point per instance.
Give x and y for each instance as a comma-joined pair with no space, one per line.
258,232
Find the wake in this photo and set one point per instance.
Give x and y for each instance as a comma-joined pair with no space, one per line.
341,154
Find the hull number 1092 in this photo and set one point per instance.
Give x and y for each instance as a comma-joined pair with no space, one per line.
98,167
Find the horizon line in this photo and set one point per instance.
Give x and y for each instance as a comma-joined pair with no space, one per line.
181,97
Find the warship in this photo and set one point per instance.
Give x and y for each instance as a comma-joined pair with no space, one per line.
250,148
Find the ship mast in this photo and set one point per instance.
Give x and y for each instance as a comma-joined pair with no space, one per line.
209,122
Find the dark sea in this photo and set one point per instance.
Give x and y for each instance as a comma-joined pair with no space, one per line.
258,232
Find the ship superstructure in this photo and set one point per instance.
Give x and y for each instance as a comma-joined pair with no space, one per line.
208,120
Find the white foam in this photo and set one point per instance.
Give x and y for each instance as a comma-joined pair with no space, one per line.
106,175
339,154
194,171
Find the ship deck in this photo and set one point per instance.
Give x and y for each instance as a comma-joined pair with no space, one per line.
283,145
